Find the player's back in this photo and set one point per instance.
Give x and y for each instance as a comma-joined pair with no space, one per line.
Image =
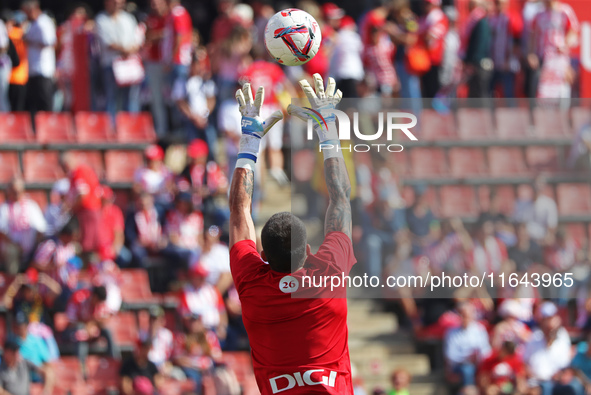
299,344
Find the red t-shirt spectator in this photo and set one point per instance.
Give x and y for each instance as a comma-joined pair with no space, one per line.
268,75
205,301
502,370
156,25
112,221
81,309
178,24
85,183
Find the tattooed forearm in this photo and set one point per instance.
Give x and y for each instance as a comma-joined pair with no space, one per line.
242,189
338,215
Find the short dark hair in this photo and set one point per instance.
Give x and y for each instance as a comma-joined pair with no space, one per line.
284,241
100,292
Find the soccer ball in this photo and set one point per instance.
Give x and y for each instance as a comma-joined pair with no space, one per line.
292,37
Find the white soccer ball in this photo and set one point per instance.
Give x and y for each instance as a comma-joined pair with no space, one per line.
292,37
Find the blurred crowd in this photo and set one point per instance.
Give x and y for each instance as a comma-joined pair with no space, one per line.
66,261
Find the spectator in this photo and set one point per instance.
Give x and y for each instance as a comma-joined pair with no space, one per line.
506,34
503,372
85,201
526,252
540,213
20,74
400,380
207,182
215,259
31,347
119,39
176,46
139,366
489,254
553,34
531,8
57,213
195,350
155,65
466,346
229,123
202,299
548,351
451,65
162,341
195,98
420,220
476,42
107,274
511,328
581,363
143,233
41,40
21,227
346,64
16,372
87,313
5,67
155,179
184,230
433,28
112,230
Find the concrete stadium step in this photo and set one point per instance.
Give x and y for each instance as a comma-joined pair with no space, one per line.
368,366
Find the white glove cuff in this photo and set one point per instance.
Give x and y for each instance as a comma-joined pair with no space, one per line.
327,134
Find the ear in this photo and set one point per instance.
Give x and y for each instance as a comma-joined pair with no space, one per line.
263,256
308,250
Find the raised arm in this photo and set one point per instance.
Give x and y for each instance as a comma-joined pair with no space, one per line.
253,130
338,215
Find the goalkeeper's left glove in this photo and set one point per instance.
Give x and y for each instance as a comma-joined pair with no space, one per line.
253,126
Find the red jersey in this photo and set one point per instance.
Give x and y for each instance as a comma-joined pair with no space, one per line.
156,25
433,29
112,221
178,23
85,183
268,75
502,370
299,345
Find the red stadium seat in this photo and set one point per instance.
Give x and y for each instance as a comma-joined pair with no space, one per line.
475,124
550,123
94,159
504,199
102,374
42,166
467,162
512,123
574,199
16,127
123,327
94,127
458,201
135,286
427,162
68,377
434,126
135,128
578,232
506,162
40,197
122,165
542,158
54,127
580,116
9,166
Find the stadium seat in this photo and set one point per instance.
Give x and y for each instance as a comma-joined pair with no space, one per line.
123,327
506,162
54,128
512,123
428,162
42,166
434,126
574,199
121,165
458,201
68,377
467,162
542,158
94,127
9,166
550,123
475,124
40,197
92,158
102,374
580,116
16,127
135,128
578,232
135,287
504,200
